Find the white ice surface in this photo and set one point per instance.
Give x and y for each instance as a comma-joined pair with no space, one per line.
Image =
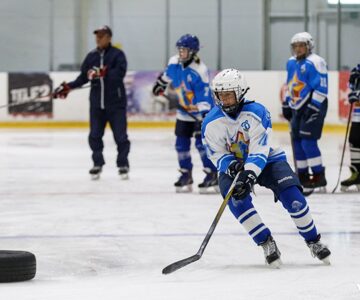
110,239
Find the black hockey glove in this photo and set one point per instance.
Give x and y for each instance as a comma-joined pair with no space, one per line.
244,185
286,111
234,168
159,86
354,96
311,113
354,76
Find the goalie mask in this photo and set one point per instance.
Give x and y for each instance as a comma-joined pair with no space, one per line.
229,80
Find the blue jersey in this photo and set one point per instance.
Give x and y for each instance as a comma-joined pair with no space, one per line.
306,78
245,139
191,85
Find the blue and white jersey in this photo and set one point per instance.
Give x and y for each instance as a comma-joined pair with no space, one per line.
191,85
306,78
245,138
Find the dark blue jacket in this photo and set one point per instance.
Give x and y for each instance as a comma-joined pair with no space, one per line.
109,91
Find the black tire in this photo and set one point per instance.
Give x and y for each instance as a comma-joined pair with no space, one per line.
17,266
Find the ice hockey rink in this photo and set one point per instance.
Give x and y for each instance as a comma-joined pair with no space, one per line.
110,239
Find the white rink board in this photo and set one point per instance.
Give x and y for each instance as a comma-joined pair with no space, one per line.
264,87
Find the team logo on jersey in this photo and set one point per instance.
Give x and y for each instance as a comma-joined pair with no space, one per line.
303,69
245,125
295,88
189,79
239,147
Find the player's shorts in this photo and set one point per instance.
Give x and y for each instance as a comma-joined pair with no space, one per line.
301,128
276,176
354,137
184,128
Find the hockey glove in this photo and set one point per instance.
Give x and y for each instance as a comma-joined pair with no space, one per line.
354,76
96,73
311,113
159,86
354,96
286,111
234,168
62,91
244,185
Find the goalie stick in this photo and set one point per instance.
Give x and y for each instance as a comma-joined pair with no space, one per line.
184,262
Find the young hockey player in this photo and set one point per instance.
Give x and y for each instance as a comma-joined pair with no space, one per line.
237,137
354,137
305,107
188,75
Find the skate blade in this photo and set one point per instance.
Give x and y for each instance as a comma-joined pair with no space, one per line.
350,189
307,191
326,260
184,189
275,264
124,176
320,190
209,190
95,176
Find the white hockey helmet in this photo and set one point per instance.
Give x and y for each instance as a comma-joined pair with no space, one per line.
303,37
229,80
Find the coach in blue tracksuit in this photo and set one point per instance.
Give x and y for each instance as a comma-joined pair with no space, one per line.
105,67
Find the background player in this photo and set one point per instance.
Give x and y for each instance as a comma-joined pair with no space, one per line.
354,137
105,67
189,76
305,107
236,135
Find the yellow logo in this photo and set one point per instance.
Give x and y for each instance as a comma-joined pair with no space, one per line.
295,87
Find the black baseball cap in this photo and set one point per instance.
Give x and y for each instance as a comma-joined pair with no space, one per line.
105,29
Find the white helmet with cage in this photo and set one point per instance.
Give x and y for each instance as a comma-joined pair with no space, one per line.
229,80
303,37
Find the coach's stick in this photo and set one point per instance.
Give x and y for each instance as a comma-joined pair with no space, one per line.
38,98
184,262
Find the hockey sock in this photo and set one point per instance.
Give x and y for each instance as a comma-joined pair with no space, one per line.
182,146
295,203
313,155
245,212
205,161
300,157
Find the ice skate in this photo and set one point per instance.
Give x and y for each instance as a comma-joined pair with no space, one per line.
185,181
124,173
317,183
319,250
95,172
272,253
352,184
210,184
305,181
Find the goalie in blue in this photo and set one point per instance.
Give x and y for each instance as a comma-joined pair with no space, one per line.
237,137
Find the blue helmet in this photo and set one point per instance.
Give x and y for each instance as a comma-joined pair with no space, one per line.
189,41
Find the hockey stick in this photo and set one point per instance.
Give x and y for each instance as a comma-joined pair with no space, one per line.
184,262
343,150
182,108
38,98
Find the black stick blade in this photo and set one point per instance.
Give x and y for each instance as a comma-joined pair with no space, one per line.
181,263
